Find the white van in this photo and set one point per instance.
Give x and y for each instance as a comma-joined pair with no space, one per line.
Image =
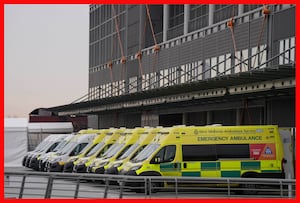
74,147
40,146
51,143
42,160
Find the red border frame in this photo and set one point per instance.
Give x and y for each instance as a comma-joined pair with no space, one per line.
131,2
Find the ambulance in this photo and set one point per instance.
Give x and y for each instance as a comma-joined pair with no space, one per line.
41,146
42,160
100,134
145,138
211,151
54,140
127,138
82,165
79,143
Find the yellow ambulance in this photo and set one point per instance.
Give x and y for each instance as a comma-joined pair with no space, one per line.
211,151
68,145
82,165
100,134
145,138
127,138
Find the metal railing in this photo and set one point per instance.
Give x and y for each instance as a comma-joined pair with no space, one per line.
68,185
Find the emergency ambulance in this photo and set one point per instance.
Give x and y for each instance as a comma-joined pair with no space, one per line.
100,134
82,165
211,151
42,160
127,138
145,138
73,148
54,140
39,147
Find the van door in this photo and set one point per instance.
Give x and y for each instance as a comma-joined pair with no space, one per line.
166,160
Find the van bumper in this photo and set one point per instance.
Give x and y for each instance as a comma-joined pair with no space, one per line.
55,167
80,168
99,170
68,167
128,173
27,161
24,160
112,170
42,165
89,169
33,163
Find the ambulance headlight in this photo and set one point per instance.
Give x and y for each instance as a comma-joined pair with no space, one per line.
135,168
61,163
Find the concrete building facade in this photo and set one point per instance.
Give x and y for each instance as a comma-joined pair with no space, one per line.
165,65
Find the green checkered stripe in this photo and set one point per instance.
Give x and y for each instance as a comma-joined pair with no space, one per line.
207,167
170,167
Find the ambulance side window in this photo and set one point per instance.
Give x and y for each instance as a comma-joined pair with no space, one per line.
199,153
166,154
103,150
52,147
77,149
227,151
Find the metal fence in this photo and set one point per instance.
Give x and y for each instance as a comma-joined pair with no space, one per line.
68,185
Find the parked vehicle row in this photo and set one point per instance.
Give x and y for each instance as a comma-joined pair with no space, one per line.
201,151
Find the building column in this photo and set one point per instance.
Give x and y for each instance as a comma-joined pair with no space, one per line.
270,43
141,24
165,22
186,19
184,118
211,9
238,116
208,117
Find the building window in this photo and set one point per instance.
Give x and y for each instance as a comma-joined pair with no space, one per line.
251,7
176,21
223,12
198,17
176,15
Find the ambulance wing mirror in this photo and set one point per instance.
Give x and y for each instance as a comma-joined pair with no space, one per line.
156,160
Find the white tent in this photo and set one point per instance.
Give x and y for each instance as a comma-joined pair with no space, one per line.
15,141
19,133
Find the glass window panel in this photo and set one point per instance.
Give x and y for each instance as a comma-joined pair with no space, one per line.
214,67
199,153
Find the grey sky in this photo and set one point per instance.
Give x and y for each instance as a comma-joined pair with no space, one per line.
45,56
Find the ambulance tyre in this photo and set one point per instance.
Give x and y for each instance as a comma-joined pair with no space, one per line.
250,188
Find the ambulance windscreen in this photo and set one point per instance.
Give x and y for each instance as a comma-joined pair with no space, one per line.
145,153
